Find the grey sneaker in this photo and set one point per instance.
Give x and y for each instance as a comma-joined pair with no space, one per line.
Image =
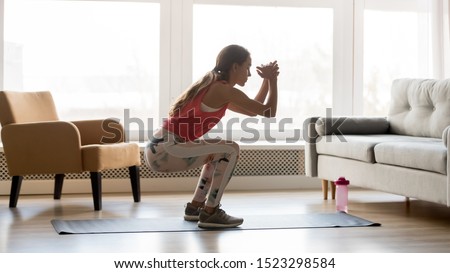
191,212
219,219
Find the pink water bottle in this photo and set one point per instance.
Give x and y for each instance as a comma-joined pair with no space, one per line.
342,194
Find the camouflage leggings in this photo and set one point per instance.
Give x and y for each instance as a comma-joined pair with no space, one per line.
165,153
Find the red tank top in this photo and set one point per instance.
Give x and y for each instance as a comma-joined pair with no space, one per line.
191,122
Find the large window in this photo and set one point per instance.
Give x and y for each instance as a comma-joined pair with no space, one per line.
129,59
304,53
398,42
99,58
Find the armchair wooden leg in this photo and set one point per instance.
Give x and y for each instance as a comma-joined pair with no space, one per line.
96,183
15,190
59,179
135,183
325,189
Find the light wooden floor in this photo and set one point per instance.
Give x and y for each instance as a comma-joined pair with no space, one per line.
420,227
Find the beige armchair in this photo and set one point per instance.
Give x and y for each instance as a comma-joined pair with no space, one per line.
35,141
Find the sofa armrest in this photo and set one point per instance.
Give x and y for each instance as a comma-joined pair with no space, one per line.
310,136
446,136
352,125
42,148
446,140
100,131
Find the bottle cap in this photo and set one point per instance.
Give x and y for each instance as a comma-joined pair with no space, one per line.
341,181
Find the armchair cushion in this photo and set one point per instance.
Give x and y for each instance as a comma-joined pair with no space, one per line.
98,157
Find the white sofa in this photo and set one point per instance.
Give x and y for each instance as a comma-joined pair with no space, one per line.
405,153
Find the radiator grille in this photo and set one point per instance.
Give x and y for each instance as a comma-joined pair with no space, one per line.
264,162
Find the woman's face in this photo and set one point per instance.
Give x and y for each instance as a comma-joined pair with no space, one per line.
243,71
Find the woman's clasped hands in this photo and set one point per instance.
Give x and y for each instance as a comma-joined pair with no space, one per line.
268,71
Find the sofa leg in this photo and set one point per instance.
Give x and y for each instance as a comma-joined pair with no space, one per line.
333,190
325,189
96,183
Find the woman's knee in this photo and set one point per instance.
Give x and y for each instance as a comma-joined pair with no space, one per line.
229,143
235,147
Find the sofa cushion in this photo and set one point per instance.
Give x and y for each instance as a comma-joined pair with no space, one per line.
425,155
419,107
358,147
361,147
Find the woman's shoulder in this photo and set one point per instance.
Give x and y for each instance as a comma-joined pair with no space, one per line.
217,93
220,87
220,84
